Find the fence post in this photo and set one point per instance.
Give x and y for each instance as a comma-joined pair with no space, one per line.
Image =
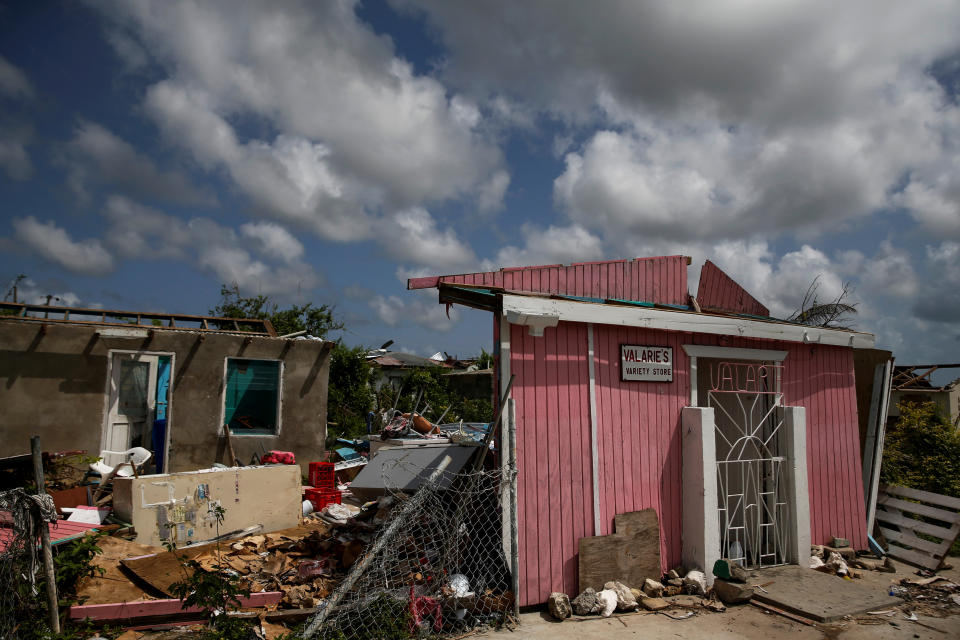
52,603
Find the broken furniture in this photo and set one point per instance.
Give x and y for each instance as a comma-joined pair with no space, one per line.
124,463
917,533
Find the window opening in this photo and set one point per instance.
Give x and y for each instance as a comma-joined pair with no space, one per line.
252,403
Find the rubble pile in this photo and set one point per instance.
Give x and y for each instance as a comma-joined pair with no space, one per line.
304,568
677,589
935,596
841,560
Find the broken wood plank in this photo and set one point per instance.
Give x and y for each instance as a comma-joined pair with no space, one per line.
786,614
900,520
915,558
909,540
153,608
942,515
924,496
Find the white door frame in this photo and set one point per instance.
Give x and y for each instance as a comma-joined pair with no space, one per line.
105,426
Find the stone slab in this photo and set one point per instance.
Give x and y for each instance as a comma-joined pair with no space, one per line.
818,596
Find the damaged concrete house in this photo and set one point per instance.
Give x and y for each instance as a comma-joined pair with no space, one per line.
742,432
112,380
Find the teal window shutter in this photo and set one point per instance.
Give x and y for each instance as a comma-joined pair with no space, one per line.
252,404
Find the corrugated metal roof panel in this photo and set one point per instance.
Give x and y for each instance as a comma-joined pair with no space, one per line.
662,280
717,290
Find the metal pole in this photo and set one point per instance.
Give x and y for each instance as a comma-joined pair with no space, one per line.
514,533
45,539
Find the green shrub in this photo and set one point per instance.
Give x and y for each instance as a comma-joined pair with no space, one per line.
922,451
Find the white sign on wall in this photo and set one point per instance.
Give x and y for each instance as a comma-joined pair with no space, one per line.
646,364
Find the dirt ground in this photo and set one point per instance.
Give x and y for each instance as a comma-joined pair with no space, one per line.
749,622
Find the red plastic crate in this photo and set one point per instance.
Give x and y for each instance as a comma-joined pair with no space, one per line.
322,497
321,475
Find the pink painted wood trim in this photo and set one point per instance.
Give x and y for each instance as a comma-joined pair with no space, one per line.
423,283
144,608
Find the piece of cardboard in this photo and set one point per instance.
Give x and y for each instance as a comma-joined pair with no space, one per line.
113,584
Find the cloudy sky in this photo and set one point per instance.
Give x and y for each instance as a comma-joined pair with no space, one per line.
326,151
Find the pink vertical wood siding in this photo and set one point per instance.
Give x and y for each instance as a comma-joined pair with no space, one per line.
662,280
639,443
717,290
821,379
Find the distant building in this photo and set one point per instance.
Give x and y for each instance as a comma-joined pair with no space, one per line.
911,383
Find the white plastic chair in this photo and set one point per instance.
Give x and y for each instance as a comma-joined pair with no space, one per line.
137,456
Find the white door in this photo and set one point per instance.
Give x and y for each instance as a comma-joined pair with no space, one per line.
133,384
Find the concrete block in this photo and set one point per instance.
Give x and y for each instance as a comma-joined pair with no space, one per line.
179,507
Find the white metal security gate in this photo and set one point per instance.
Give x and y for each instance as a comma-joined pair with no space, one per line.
747,399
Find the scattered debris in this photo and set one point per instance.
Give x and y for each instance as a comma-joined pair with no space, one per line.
936,597
654,604
586,603
729,570
626,601
559,605
608,601
652,588
732,592
695,583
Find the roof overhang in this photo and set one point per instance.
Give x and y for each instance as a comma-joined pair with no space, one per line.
539,312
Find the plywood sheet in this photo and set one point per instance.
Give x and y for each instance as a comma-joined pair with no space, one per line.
113,585
819,596
630,555
160,570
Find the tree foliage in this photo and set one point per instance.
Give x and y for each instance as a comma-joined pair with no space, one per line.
317,321
835,312
922,451
485,361
437,395
349,396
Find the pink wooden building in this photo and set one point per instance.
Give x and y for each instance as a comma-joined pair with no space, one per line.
741,431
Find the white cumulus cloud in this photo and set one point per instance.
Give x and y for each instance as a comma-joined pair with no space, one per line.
53,243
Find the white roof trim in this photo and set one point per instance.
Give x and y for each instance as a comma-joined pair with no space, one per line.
525,310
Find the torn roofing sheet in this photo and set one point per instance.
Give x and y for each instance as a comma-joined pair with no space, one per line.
719,291
662,280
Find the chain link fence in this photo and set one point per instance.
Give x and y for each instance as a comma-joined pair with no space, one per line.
21,516
435,569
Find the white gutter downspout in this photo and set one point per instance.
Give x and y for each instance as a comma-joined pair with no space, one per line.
594,447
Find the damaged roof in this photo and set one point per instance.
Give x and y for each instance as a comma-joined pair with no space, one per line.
916,377
647,292
19,312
